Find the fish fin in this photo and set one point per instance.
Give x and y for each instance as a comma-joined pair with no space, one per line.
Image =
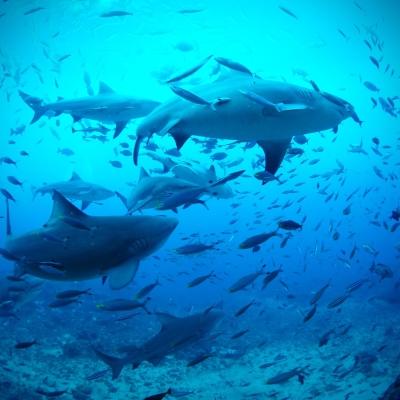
274,151
119,127
135,153
104,88
116,364
168,126
76,118
62,207
34,103
75,177
143,174
180,139
122,198
122,275
85,204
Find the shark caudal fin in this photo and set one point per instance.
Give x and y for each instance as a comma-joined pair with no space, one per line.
35,103
116,364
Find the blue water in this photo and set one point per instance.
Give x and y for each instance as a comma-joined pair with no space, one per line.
344,199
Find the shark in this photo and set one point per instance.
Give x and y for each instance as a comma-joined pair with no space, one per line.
77,189
176,333
74,246
149,189
202,177
244,107
106,106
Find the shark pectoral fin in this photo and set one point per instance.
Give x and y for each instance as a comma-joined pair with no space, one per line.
180,139
122,275
85,204
274,151
104,88
119,127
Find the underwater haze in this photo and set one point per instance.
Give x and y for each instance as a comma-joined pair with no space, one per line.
199,200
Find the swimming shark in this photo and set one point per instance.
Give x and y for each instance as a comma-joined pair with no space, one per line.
74,246
176,333
77,189
149,189
242,107
202,177
106,106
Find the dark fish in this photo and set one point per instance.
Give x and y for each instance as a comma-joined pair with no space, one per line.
62,302
13,180
288,12
7,160
116,164
159,396
200,279
7,194
243,309
338,301
33,10
310,314
121,305
325,338
239,334
245,281
356,285
319,294
193,248
115,14
97,375
25,345
144,291
68,294
199,359
289,225
374,61
257,240
269,277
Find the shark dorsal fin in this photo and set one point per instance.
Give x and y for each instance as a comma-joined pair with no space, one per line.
75,177
143,174
166,319
104,88
212,173
64,208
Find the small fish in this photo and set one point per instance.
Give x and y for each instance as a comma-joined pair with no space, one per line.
116,164
319,294
25,345
288,12
33,10
239,334
7,160
243,309
200,279
62,302
310,313
115,14
356,285
289,225
189,96
188,72
13,180
374,61
67,294
233,65
7,194
199,359
338,301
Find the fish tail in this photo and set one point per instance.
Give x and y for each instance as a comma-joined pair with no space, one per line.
116,364
35,103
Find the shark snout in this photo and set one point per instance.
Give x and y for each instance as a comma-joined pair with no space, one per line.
167,226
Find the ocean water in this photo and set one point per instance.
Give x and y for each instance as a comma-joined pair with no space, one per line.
319,317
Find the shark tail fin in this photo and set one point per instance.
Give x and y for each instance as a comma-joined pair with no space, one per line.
123,199
116,364
35,103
